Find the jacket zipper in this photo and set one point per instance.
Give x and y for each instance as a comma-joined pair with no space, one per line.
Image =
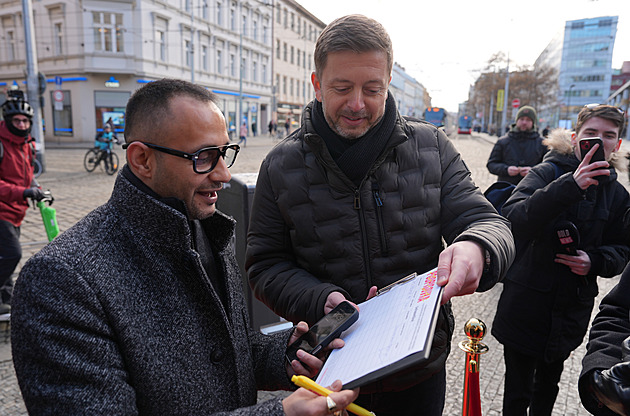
379,219
364,242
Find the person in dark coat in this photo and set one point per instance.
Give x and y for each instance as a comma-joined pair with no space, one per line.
359,197
514,154
605,376
548,295
138,308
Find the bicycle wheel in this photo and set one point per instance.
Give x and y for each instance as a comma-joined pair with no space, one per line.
112,166
37,168
91,159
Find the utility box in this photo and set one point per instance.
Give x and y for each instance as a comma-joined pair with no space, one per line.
236,200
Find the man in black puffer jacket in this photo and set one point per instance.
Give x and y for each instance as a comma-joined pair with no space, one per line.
514,154
359,197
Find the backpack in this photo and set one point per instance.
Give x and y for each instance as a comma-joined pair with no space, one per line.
499,192
33,151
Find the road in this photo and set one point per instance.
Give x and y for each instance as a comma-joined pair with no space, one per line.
77,192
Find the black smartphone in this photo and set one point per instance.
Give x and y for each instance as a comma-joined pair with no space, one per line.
587,144
567,238
324,331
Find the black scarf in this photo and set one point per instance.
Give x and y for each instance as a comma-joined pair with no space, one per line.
355,157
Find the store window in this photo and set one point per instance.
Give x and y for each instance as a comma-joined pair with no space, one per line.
111,104
62,113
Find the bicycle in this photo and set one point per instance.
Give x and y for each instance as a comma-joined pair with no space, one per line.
94,156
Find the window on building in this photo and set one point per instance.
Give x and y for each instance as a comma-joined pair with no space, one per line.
233,17
285,51
255,29
292,53
298,57
204,9
188,5
278,16
277,48
160,40
255,71
286,18
204,57
277,89
292,21
284,85
108,32
264,73
232,65
291,87
58,38
188,52
62,119
243,72
299,26
244,25
304,59
265,32
219,7
10,45
219,61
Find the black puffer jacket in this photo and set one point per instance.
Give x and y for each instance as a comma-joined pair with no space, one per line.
610,328
545,309
517,148
312,231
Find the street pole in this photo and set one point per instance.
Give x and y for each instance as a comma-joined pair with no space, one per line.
32,81
505,100
192,41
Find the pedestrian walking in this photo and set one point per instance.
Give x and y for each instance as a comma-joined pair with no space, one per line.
243,134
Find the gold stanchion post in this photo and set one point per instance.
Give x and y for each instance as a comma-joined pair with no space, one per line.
475,330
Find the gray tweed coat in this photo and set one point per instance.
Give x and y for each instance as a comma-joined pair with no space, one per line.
117,316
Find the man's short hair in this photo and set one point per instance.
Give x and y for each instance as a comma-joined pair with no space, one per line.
148,108
355,33
604,111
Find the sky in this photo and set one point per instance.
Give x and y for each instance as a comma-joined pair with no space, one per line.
444,44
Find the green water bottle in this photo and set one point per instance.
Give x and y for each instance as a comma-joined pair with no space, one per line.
49,216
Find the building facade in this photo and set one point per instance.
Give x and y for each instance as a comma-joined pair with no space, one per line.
295,32
409,93
586,66
94,54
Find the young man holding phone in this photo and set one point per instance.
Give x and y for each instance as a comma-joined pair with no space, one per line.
548,295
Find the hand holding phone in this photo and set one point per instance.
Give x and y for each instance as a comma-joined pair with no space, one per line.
324,331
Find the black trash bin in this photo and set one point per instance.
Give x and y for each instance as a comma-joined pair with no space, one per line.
236,200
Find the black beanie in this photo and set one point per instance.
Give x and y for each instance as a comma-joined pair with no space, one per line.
528,111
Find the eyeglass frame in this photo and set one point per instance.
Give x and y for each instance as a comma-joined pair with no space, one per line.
222,150
17,122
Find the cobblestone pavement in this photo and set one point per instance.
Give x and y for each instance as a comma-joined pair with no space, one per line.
77,192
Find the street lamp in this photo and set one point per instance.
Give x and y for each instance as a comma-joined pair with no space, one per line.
569,105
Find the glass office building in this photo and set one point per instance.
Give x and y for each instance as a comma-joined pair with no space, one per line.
586,66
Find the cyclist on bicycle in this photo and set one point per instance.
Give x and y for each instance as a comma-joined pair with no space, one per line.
103,142
17,154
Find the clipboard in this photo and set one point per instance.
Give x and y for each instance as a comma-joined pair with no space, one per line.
394,331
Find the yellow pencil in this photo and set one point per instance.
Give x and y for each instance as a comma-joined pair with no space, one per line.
309,384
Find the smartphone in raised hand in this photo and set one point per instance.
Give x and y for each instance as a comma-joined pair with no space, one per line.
587,144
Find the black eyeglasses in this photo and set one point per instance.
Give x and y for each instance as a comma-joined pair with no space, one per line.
593,106
204,160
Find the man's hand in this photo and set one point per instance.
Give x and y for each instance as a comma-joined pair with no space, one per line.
513,170
314,363
460,267
34,193
524,170
586,172
335,298
303,402
580,264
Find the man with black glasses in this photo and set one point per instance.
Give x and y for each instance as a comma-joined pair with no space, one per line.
138,308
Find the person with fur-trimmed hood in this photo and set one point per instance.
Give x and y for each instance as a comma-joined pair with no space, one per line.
548,296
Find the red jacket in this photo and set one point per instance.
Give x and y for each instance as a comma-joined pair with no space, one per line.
16,175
